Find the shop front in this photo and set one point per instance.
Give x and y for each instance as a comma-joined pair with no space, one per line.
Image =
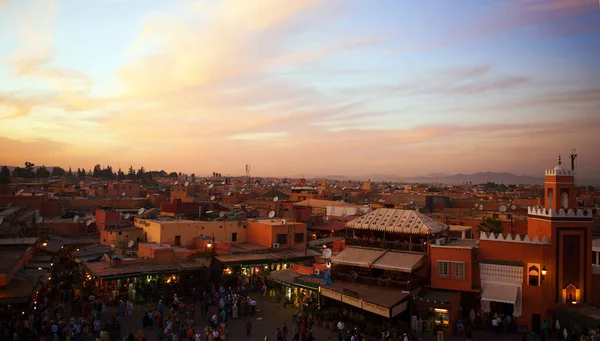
439,310
305,294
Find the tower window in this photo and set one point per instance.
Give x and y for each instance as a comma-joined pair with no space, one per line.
534,276
564,198
550,196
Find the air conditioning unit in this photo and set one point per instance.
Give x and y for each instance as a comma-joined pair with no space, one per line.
276,245
440,241
284,222
317,272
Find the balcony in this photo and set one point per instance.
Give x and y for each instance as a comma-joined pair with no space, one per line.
407,285
388,245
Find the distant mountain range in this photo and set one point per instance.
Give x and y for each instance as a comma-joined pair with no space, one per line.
476,178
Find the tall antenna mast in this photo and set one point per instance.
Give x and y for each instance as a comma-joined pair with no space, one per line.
248,172
573,157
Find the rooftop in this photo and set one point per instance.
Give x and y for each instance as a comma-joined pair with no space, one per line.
459,244
9,257
398,221
274,222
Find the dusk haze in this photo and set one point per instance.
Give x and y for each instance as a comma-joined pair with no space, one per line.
406,88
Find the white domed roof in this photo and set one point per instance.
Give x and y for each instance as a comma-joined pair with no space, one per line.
559,168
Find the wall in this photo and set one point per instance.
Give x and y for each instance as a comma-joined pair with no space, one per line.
595,299
47,207
164,231
106,216
6,278
92,204
536,299
438,253
120,238
265,234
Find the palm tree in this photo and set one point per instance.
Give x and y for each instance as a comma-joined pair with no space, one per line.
492,225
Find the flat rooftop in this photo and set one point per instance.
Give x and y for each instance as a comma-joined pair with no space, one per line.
9,257
274,222
459,244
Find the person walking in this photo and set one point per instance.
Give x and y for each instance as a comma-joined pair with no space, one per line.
248,327
284,331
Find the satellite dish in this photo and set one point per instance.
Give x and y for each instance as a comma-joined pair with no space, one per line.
513,207
212,198
130,244
328,264
229,194
326,253
186,183
93,220
141,211
147,195
123,194
502,208
88,223
176,182
75,218
412,202
211,186
112,245
127,216
41,189
39,220
223,183
275,199
326,217
92,298
20,191
476,204
271,214
481,207
221,214
209,212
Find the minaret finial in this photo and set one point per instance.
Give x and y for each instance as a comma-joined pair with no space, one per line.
559,161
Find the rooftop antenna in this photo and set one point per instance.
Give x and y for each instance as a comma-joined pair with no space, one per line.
573,157
248,171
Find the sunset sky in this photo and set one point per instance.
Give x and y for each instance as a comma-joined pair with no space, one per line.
348,87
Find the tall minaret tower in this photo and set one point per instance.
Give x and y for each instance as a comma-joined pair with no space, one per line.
569,231
559,188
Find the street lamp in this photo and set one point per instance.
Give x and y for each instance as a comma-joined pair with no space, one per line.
544,271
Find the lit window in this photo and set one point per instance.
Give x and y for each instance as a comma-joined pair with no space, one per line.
458,270
534,275
442,269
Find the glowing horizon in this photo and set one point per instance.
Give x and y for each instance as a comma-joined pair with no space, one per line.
301,87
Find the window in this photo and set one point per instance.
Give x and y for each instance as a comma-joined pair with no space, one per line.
550,195
298,238
595,259
534,275
234,237
458,270
442,269
282,238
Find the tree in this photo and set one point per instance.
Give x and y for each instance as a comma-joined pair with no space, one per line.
97,171
173,175
19,172
70,173
42,172
4,175
120,174
29,173
58,172
492,225
131,173
82,173
193,177
141,173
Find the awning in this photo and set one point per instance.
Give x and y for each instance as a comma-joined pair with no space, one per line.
354,256
399,261
499,293
284,277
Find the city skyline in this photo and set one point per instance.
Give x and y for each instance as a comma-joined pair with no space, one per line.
313,87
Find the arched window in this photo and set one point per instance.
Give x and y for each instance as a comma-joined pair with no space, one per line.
534,276
549,201
564,198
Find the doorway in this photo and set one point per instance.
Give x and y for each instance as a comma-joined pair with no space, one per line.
536,323
178,240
